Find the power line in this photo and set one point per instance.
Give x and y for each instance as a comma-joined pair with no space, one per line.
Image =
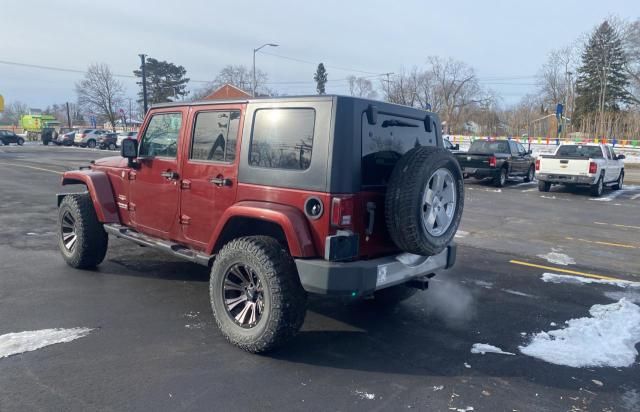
315,63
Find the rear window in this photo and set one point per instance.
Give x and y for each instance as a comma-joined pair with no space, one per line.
488,147
282,138
384,143
593,152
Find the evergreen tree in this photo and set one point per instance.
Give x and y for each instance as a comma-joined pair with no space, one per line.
321,78
602,73
166,82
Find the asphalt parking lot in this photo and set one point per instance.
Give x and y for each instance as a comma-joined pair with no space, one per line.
154,344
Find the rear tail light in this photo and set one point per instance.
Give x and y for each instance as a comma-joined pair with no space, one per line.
537,164
492,161
593,167
341,211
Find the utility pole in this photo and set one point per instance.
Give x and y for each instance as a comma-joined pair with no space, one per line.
68,117
144,81
602,101
388,82
566,104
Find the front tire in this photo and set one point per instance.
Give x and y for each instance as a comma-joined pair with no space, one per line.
112,146
81,237
530,174
91,144
20,141
256,295
544,186
618,184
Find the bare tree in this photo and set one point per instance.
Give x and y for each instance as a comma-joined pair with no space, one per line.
631,44
557,77
99,92
361,87
239,76
13,112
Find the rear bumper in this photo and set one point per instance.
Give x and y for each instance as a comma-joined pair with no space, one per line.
364,277
481,172
568,179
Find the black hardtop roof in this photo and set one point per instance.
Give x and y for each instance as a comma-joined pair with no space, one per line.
305,98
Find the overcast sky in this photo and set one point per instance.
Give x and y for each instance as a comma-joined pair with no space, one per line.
506,39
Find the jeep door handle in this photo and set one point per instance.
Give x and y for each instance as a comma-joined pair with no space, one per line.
220,181
169,175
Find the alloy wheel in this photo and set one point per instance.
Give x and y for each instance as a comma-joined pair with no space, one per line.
68,229
439,202
243,295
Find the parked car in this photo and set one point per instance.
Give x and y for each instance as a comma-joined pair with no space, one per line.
331,195
108,141
450,146
65,139
7,137
593,165
498,159
125,135
88,137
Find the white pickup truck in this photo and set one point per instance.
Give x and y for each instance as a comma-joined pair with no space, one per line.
594,165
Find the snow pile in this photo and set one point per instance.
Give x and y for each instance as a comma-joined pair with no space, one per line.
555,278
365,395
558,258
607,338
483,348
14,343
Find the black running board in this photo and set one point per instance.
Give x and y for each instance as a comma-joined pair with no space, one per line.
175,249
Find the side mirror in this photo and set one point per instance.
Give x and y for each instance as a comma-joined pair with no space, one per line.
372,114
456,146
427,123
620,157
129,149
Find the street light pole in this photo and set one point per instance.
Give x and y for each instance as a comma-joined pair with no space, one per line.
253,84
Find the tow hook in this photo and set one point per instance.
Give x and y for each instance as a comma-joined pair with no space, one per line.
421,282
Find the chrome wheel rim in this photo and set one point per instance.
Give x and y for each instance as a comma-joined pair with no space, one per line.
68,231
439,202
503,177
243,296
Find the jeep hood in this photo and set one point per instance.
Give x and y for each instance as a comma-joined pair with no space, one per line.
111,161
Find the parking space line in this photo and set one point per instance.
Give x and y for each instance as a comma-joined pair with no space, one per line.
571,272
597,242
616,225
31,167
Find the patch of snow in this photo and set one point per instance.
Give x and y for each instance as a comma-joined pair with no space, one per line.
553,324
438,388
15,343
466,365
547,197
631,296
484,284
518,293
607,338
483,348
466,409
555,278
558,258
461,233
365,395
523,333
597,382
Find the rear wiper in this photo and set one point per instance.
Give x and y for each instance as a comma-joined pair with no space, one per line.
397,123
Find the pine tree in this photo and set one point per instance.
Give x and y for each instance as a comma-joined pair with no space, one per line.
602,73
166,82
321,78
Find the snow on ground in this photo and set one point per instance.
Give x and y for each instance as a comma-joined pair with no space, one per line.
518,293
461,233
607,338
483,348
630,295
15,343
555,278
558,258
365,395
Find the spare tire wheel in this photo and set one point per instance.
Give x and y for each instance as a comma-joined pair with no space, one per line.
424,200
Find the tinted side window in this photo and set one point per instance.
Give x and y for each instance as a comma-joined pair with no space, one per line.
161,137
282,138
513,147
215,135
521,149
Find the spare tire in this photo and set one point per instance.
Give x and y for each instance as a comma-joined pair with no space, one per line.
424,200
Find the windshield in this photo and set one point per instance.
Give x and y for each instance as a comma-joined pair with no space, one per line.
593,152
488,147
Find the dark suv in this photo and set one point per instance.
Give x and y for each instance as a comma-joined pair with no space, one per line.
7,137
280,197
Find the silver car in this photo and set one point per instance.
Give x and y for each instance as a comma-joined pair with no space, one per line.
88,137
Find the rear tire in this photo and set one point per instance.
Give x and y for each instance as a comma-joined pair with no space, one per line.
544,186
424,200
91,144
259,272
81,237
618,184
598,188
501,180
112,146
20,141
531,173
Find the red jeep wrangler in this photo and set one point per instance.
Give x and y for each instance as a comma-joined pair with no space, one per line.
280,197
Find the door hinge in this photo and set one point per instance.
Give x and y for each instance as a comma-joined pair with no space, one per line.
132,175
185,220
